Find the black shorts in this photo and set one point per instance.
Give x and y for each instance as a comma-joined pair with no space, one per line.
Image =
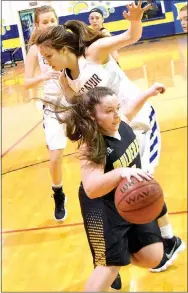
111,238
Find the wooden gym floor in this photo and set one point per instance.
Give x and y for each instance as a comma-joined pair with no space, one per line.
40,254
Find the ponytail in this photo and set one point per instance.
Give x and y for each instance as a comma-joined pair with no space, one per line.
86,35
74,34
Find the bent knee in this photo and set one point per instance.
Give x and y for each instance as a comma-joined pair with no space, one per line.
150,256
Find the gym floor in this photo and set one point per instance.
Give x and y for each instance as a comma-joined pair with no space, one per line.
40,254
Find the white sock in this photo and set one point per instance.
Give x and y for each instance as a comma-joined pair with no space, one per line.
166,231
57,185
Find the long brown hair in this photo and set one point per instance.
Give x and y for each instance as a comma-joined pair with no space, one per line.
37,12
74,34
81,125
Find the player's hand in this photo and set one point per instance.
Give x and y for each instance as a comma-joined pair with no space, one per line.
63,81
135,12
50,75
135,172
69,93
156,88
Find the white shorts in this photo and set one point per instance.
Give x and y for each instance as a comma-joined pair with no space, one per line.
150,144
54,132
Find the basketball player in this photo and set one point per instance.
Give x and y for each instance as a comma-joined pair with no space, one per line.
84,56
183,17
94,121
96,20
44,17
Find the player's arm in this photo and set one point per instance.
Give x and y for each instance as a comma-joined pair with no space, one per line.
30,67
66,89
97,183
115,53
105,46
134,105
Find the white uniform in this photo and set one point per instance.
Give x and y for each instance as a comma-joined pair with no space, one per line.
144,123
54,131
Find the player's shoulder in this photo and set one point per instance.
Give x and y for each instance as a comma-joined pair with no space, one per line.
33,50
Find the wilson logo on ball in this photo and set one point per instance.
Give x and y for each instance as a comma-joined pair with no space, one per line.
126,186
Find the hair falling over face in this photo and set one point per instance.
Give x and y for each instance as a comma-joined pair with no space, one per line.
81,125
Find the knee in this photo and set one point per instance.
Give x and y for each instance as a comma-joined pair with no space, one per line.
151,255
55,156
155,259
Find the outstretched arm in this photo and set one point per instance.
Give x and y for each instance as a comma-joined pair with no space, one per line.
114,54
134,105
105,46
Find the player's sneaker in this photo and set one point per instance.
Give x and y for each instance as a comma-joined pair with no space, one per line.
60,200
172,247
117,283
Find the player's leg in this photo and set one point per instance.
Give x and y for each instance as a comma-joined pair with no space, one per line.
108,245
101,278
56,142
145,245
150,144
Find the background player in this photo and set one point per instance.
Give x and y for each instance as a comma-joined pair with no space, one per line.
45,16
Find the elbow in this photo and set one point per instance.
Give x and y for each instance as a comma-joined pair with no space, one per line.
135,39
90,192
130,113
130,116
26,85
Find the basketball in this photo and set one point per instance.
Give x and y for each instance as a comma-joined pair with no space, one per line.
139,202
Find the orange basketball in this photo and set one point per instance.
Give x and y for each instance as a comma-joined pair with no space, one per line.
139,202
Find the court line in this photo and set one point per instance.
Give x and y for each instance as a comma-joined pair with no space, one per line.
182,127
24,136
172,129
65,225
34,164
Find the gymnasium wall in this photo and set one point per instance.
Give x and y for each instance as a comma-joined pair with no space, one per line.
166,25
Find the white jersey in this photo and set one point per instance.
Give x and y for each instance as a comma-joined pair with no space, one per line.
110,75
54,131
51,87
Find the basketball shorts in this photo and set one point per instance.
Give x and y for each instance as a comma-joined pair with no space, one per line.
55,133
112,239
